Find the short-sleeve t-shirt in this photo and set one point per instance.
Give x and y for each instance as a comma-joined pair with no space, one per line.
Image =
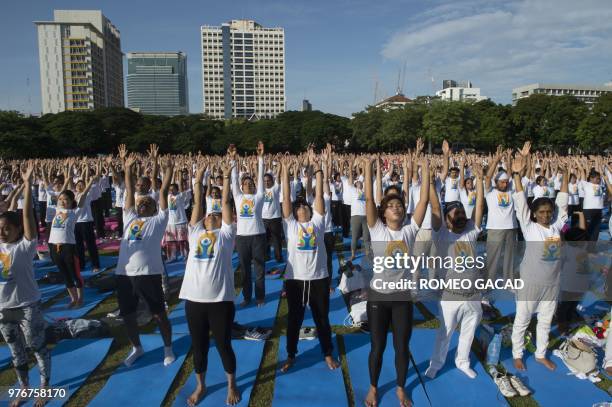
500,210
18,288
62,226
140,249
307,258
209,276
176,209
593,195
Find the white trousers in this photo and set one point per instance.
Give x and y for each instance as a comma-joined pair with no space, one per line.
466,313
524,310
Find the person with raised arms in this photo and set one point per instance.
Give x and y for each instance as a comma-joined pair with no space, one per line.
21,319
306,275
541,224
208,286
139,267
391,308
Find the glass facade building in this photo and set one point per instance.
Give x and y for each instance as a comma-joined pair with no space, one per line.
157,83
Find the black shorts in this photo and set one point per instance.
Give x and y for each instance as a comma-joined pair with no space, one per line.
131,288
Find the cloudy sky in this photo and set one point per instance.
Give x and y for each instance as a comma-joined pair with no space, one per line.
338,52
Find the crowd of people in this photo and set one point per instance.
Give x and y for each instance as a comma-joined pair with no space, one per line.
204,208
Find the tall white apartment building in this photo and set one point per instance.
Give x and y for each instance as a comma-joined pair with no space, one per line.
585,93
454,91
81,63
243,70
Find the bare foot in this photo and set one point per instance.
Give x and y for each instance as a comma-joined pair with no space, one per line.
550,365
72,304
18,401
519,365
196,396
233,396
332,363
96,270
260,303
372,397
41,401
287,364
404,400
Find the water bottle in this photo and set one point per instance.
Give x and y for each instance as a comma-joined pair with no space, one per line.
493,350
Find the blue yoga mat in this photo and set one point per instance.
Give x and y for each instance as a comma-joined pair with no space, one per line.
92,298
476,392
5,355
72,361
176,268
178,319
106,262
147,381
310,380
49,291
546,385
252,315
337,311
273,264
248,355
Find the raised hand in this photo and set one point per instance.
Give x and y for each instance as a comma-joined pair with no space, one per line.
26,171
419,146
260,148
231,151
122,152
445,148
153,151
518,164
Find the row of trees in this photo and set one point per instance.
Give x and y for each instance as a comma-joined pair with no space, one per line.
553,123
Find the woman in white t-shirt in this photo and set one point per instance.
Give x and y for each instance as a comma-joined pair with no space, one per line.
541,224
354,195
62,241
139,268
176,237
594,197
208,287
467,192
306,274
21,320
390,308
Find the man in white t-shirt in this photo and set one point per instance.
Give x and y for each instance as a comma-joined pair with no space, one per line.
140,266
271,215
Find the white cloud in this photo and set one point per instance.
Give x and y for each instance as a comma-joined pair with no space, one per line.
503,45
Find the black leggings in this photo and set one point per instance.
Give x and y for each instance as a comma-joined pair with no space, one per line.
593,220
84,235
217,317
65,258
274,237
330,242
317,295
381,315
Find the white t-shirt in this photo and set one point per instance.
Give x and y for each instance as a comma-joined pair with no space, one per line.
249,207
451,189
356,198
84,213
468,200
455,245
140,250
335,188
500,210
541,192
593,195
17,285
62,226
119,195
42,193
176,209
213,205
387,242
271,206
574,199
540,264
209,276
415,197
307,258
51,204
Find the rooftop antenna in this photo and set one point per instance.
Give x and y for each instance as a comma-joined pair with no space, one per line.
398,89
29,97
403,76
375,89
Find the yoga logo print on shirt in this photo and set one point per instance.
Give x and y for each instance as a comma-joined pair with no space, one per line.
396,247
471,198
247,208
53,200
172,202
360,196
215,205
268,197
135,229
307,240
205,249
5,267
454,183
59,221
463,249
552,249
503,199
596,190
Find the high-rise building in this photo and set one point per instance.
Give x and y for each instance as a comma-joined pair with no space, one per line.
585,93
306,106
157,83
81,63
243,70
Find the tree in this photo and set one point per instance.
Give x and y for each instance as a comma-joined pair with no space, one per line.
595,130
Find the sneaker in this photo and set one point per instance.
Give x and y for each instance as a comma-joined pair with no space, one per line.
255,335
519,386
113,314
308,333
505,387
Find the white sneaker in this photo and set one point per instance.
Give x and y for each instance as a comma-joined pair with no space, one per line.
469,372
505,387
431,372
308,333
133,356
255,335
169,357
519,386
